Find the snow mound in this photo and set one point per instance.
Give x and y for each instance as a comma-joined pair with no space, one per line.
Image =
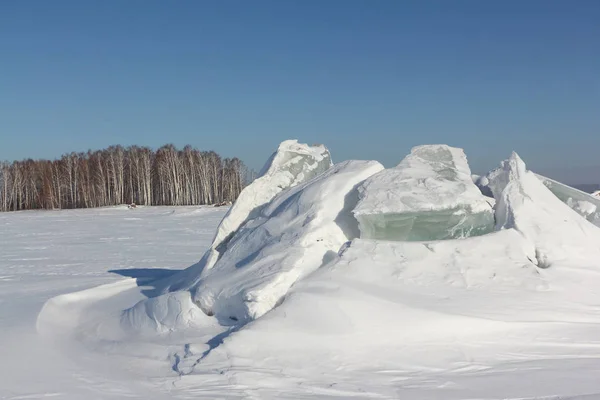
270,244
248,271
525,204
429,195
296,233
407,304
162,315
509,261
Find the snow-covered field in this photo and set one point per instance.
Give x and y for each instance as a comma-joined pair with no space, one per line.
436,290
44,254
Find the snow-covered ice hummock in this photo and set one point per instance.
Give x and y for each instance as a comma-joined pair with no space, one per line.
297,232
525,204
416,304
271,242
283,226
430,195
586,205
403,291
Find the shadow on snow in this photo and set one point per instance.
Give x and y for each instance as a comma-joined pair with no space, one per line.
151,278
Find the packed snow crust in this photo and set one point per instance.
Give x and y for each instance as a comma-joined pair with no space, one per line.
298,293
430,195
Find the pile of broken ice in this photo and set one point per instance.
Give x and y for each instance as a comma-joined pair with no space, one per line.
304,212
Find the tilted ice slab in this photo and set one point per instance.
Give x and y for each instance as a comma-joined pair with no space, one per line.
430,195
291,164
586,205
296,233
525,204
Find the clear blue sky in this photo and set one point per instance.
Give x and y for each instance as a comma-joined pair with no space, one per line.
370,79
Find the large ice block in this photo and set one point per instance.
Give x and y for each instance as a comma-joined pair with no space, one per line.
430,195
429,225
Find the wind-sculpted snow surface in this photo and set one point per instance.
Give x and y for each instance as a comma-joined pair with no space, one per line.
296,233
525,204
386,295
586,205
430,195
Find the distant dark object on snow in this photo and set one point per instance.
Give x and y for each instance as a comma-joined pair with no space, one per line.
225,203
131,206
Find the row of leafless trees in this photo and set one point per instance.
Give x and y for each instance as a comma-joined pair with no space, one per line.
118,175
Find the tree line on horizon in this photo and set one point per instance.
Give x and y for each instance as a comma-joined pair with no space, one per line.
118,175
